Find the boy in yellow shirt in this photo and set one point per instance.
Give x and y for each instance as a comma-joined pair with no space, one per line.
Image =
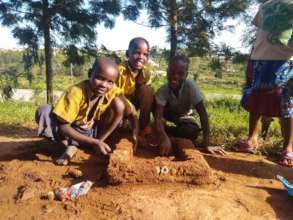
133,80
87,113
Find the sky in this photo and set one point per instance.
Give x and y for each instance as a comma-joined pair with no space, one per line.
119,37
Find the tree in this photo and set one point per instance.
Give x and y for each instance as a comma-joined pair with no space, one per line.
191,24
68,24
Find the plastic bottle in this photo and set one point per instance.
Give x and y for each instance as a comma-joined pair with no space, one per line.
73,192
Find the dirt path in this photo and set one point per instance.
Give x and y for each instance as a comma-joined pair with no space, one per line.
245,188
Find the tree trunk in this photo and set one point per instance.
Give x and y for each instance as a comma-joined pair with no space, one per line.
173,37
173,29
48,51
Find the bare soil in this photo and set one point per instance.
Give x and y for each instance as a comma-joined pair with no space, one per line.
186,165
244,186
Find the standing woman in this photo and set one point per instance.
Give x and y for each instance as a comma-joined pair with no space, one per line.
271,70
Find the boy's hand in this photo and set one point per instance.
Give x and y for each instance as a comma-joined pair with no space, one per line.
165,147
216,150
100,146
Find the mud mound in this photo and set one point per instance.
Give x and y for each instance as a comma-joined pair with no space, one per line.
186,166
246,190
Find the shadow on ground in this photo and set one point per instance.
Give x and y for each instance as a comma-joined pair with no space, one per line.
260,167
279,200
17,131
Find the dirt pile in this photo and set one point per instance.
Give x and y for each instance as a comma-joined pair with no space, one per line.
186,166
246,190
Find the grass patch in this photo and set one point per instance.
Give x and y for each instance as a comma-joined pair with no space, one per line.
17,115
228,122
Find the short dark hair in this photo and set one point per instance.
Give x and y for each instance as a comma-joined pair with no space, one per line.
182,58
134,42
98,64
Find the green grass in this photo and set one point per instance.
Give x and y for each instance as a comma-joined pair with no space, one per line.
227,119
60,82
228,122
17,114
219,89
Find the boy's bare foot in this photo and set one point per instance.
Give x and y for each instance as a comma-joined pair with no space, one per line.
64,159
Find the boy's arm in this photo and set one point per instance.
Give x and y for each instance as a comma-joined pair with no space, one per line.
164,141
204,121
67,130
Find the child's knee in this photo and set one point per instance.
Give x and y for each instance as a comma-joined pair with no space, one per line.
43,110
145,94
118,106
145,90
189,130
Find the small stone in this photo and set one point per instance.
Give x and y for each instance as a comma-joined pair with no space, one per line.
51,196
24,193
75,173
158,169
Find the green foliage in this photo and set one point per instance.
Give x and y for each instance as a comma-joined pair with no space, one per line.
103,51
190,24
240,58
69,24
8,80
199,71
158,81
216,65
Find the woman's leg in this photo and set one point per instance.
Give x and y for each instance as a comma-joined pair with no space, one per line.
287,128
266,122
287,125
254,129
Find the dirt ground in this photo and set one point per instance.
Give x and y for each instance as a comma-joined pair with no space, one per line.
244,187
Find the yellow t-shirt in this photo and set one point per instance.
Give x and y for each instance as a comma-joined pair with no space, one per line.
73,105
127,82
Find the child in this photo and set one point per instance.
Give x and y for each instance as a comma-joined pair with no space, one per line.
175,102
87,113
133,80
271,70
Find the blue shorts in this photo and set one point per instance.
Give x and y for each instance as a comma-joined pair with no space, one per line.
48,126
